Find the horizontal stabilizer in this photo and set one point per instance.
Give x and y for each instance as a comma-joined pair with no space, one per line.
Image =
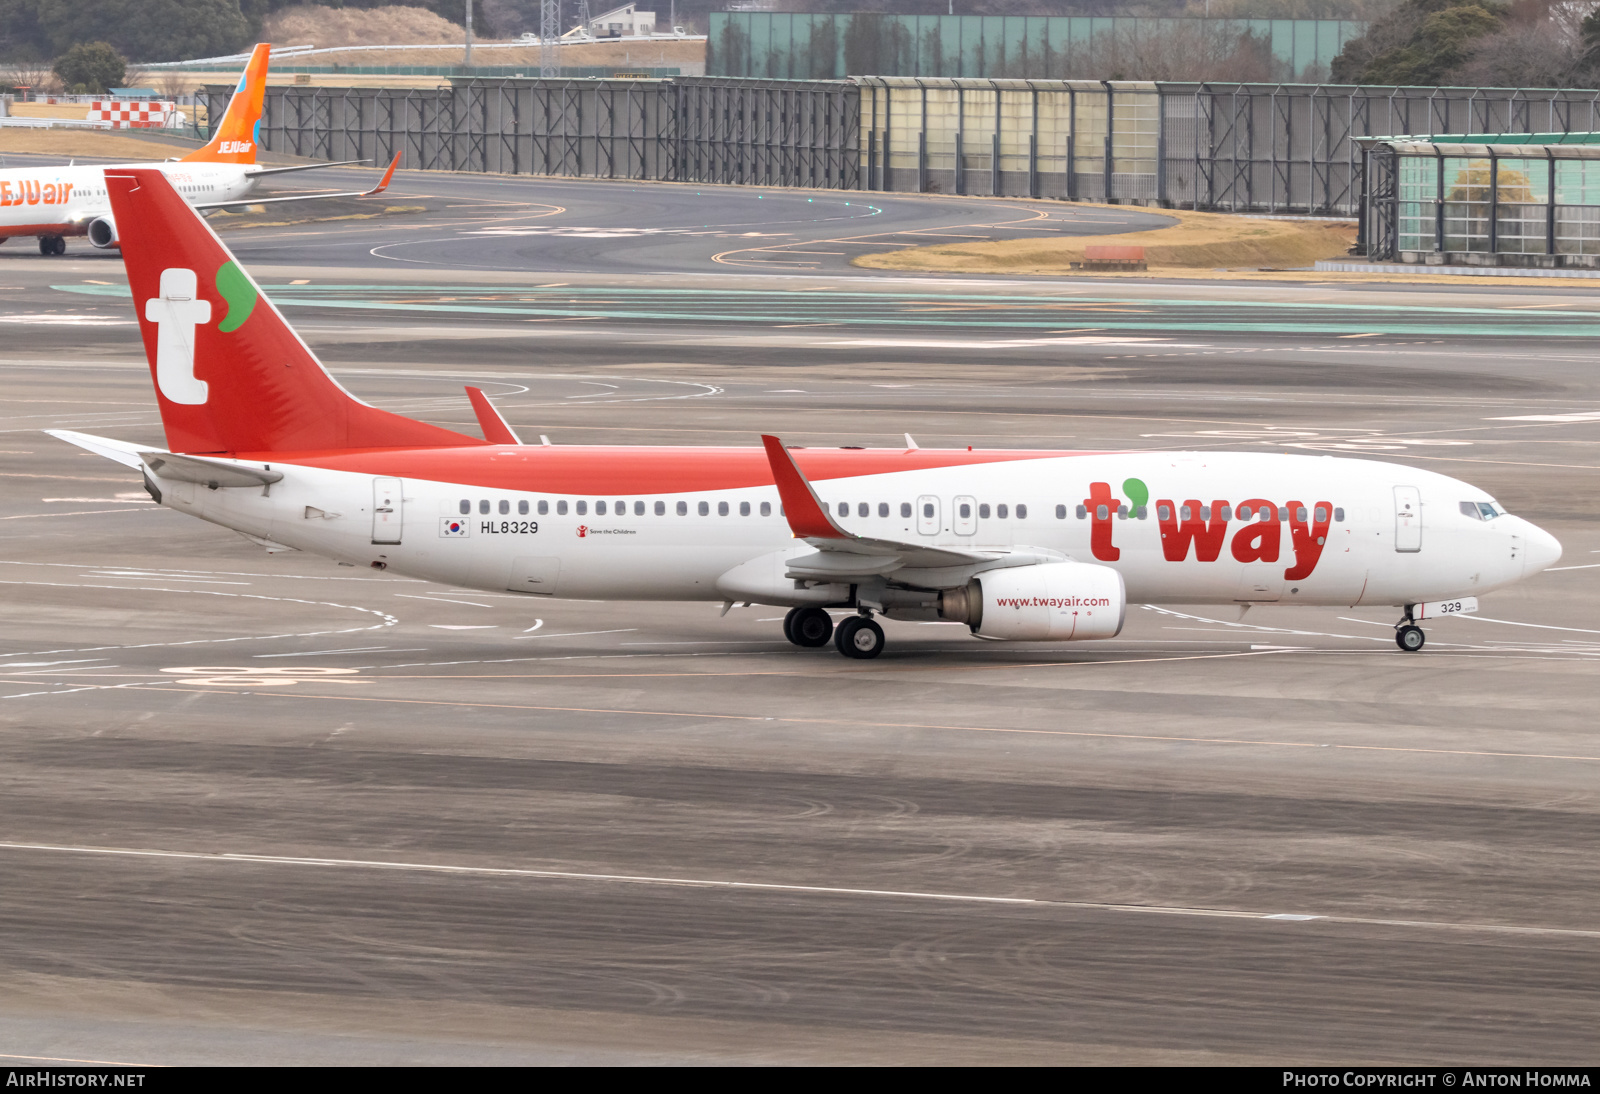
213,473
128,455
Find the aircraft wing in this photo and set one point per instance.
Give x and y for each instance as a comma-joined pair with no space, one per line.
842,555
383,185
300,167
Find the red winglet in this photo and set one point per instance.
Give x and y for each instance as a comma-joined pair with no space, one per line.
807,517
496,430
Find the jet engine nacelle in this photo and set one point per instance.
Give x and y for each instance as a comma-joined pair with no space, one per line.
103,232
1054,601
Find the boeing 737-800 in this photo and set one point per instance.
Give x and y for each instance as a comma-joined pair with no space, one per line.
53,203
1023,545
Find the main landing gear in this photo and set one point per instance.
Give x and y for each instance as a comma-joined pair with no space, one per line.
809,627
858,636
1407,635
52,245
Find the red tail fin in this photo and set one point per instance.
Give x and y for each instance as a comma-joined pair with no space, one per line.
231,375
237,137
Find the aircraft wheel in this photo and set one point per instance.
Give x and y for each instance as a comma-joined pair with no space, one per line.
859,637
810,627
1409,638
52,245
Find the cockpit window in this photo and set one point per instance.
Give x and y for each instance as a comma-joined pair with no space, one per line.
1480,510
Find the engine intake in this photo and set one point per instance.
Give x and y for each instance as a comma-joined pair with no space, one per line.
103,232
1054,601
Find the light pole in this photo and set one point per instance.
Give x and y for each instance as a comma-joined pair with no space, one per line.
468,59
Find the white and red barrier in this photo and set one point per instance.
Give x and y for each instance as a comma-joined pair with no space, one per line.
131,113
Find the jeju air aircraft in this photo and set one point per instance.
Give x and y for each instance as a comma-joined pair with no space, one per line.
53,203
1021,545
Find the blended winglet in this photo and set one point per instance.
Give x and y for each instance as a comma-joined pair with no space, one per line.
496,430
804,510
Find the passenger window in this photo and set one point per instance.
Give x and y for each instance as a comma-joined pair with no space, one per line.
863,509
505,507
483,506
638,508
1001,511
522,508
1184,513
1300,514
983,511
1322,513
744,509
1338,514
905,510
583,507
883,508
1083,512
1061,512
1225,512
722,508
544,507
966,511
1122,512
561,508
927,510
683,508
599,508
766,508
1205,512
1283,512
1245,512
661,508
1163,512
844,509
1100,512
1022,512
466,507
705,508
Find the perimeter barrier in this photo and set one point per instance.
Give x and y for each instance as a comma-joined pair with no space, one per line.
1275,148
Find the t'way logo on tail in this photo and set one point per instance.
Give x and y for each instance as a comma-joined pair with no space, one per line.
232,376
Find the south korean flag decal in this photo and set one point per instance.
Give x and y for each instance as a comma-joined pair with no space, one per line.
454,528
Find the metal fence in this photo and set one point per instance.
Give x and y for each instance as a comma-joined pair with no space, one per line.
794,45
1284,148
1483,204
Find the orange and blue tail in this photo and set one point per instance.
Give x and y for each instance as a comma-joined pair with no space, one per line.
238,136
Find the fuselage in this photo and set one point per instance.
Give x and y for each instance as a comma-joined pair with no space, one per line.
676,524
63,201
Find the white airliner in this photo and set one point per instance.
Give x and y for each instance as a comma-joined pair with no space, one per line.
1038,545
53,203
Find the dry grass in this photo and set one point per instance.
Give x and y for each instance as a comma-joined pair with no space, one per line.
88,143
50,110
1199,241
313,24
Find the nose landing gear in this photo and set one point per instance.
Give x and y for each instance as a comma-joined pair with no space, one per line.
1407,635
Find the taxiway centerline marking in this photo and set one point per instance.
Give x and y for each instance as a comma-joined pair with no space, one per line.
781,887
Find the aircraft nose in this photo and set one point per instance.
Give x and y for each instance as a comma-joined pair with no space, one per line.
1543,550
